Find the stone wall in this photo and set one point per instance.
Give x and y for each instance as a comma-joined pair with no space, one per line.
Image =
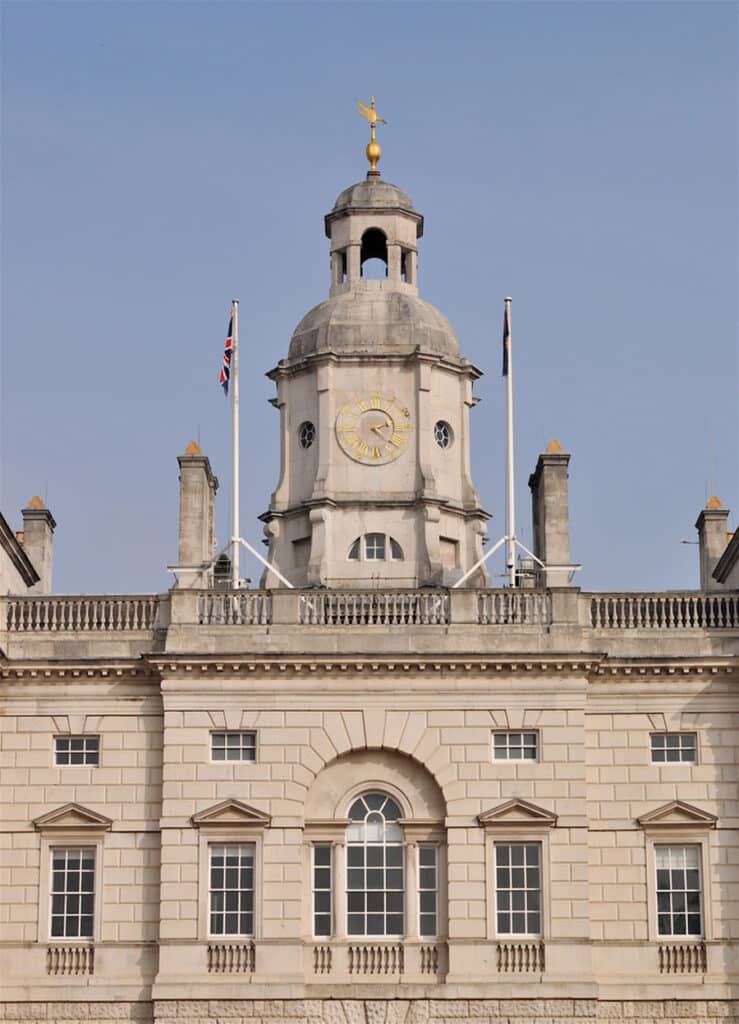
378,1011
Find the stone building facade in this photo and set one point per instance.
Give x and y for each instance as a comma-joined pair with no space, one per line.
374,798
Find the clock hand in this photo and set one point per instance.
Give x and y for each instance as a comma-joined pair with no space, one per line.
378,427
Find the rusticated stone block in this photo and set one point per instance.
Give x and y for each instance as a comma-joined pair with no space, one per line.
484,1008
274,1008
418,1012
230,1008
111,1011
142,1011
683,1008
333,1012
610,1010
67,1011
722,1010
516,1008
304,1008
649,1009
397,1011
25,1011
375,1011
449,1008
354,1011
556,1008
190,1009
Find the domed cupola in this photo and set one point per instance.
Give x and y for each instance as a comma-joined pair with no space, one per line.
374,401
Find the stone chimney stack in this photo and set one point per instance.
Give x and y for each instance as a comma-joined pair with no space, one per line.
38,535
198,488
551,516
712,526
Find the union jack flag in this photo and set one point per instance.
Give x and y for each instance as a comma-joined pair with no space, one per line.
227,355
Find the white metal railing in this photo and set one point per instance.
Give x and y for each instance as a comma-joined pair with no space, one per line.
374,608
240,608
664,611
70,959
682,958
520,957
514,608
81,614
231,957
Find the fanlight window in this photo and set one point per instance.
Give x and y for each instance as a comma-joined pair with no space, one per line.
375,869
374,547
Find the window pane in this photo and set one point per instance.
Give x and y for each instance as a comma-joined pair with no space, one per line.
518,888
375,876
679,909
322,890
231,889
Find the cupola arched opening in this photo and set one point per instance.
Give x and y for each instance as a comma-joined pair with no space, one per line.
373,254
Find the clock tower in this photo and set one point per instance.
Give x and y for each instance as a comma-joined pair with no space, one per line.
374,401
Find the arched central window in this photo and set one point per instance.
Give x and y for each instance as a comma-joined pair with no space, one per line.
375,883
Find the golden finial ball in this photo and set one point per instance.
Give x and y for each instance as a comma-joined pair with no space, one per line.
374,152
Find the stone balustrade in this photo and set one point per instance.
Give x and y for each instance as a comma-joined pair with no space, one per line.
83,614
689,610
510,609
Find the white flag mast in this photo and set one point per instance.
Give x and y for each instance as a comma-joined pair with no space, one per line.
509,538
508,370
235,532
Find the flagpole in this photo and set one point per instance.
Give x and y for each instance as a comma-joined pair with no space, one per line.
235,576
511,530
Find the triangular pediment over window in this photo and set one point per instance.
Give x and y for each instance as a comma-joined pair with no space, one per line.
517,813
677,814
231,813
72,817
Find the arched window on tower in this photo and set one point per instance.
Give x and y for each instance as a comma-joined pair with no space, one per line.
375,547
373,254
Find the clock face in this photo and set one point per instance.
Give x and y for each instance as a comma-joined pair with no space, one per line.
374,429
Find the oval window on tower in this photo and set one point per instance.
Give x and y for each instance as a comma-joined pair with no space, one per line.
443,434
306,434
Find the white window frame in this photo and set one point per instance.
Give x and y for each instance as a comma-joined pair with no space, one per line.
238,843
54,850
229,824
332,832
516,732
358,548
70,827
682,848
436,847
233,732
511,841
678,837
64,737
518,821
673,764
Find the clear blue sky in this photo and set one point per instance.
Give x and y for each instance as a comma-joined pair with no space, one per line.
159,159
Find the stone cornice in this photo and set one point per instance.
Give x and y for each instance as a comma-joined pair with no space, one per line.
139,672
218,665
291,368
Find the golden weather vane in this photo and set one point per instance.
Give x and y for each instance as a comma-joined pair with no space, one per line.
374,152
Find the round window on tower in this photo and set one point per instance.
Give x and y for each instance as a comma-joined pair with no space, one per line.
306,434
443,434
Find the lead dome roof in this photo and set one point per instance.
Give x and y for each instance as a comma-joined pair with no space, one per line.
373,193
374,322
